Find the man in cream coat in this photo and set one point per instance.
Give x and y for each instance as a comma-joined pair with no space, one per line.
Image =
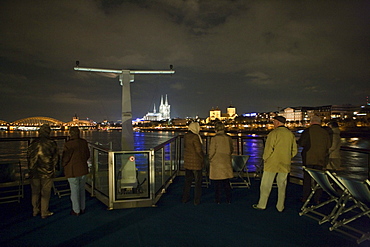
280,148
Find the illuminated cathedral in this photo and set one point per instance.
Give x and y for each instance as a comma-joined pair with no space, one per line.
163,114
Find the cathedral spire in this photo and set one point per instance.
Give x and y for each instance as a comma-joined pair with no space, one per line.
163,113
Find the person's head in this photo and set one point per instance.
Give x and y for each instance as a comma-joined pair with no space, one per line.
333,124
44,130
315,120
74,132
194,127
219,126
279,120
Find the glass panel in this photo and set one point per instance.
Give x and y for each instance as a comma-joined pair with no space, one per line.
253,148
158,170
101,172
174,153
131,175
167,162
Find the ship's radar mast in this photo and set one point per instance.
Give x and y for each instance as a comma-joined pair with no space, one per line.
125,77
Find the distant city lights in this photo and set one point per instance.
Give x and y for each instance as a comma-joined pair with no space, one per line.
252,114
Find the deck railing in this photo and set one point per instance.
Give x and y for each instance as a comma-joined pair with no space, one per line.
123,179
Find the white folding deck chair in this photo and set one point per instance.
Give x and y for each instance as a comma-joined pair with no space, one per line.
240,168
11,182
205,173
343,206
61,187
320,211
60,184
360,191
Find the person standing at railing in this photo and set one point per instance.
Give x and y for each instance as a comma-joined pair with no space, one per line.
316,142
280,148
220,151
75,155
42,156
334,151
193,163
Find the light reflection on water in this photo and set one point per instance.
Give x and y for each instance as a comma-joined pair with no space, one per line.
356,142
13,151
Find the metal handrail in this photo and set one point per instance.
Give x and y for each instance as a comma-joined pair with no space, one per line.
359,150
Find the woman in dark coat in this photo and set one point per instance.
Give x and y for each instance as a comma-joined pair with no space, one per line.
193,163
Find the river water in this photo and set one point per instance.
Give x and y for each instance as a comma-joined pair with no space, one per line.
14,151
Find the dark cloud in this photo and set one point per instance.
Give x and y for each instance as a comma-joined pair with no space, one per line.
259,55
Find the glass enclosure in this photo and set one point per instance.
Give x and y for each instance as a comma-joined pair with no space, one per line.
125,179
131,173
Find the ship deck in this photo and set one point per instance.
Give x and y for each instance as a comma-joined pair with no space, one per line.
171,223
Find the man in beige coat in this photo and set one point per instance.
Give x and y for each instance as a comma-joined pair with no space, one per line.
220,151
280,148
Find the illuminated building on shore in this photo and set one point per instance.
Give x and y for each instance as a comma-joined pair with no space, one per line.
76,121
303,113
163,114
216,114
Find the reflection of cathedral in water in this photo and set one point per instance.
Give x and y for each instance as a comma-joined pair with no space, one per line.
163,114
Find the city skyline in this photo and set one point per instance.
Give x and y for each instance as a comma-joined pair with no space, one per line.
223,111
257,55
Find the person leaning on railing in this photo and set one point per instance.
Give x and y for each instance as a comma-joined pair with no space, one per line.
193,163
42,156
316,142
75,156
220,151
334,151
280,148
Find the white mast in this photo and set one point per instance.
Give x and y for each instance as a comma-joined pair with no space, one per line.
125,77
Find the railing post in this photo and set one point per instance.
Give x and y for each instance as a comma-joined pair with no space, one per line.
93,170
163,164
368,166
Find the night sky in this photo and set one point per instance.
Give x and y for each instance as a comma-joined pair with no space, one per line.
256,55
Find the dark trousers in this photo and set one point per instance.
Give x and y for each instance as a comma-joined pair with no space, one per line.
191,175
308,182
225,185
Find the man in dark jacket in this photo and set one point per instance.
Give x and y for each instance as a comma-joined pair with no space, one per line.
193,163
75,155
42,155
316,142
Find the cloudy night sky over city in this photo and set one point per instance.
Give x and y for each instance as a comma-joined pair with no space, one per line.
255,55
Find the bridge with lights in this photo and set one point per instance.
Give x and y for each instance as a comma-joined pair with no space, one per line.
33,123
